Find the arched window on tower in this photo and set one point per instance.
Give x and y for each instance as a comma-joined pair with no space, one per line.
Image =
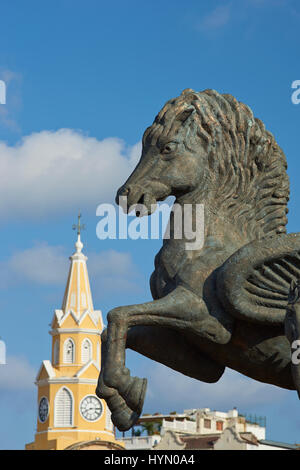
86,351
63,408
56,352
69,351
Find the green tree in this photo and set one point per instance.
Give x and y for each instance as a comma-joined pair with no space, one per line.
151,427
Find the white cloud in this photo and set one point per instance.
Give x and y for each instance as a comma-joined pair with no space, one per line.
243,11
48,265
41,264
216,19
134,154
55,171
113,270
17,374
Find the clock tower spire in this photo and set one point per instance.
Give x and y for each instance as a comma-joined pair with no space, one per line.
70,415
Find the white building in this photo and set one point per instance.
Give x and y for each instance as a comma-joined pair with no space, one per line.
203,429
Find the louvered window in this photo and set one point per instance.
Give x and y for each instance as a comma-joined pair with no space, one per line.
63,408
56,352
69,351
86,352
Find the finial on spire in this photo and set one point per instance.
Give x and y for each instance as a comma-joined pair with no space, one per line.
79,226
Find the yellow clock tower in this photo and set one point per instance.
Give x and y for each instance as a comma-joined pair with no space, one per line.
70,415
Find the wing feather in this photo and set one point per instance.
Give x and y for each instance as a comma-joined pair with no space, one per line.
253,284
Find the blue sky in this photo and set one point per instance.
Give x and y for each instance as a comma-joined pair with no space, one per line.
84,80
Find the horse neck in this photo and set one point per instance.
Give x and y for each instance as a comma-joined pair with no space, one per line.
218,227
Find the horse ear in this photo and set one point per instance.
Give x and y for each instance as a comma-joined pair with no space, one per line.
183,115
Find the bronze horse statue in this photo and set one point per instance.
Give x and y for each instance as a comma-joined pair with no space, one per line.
229,303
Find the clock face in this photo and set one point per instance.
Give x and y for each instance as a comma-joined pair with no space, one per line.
91,408
43,409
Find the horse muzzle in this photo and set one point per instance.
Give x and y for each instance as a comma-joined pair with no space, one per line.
140,199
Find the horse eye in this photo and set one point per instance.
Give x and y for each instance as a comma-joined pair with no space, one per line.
169,147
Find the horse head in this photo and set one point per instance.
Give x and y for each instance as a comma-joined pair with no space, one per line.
210,146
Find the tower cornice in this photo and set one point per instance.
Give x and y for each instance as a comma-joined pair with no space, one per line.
88,331
60,317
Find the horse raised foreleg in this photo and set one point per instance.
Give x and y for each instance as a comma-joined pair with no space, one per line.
181,310
183,353
121,415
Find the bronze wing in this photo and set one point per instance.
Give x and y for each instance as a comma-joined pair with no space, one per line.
254,283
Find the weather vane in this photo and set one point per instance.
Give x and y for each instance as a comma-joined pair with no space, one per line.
79,226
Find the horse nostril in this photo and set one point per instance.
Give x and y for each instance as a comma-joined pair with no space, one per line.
122,192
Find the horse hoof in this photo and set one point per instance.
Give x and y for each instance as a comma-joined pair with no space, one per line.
124,420
102,391
135,394
122,416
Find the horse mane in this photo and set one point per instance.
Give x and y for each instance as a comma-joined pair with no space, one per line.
244,162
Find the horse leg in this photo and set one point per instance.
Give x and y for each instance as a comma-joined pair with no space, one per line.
180,355
180,310
121,415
